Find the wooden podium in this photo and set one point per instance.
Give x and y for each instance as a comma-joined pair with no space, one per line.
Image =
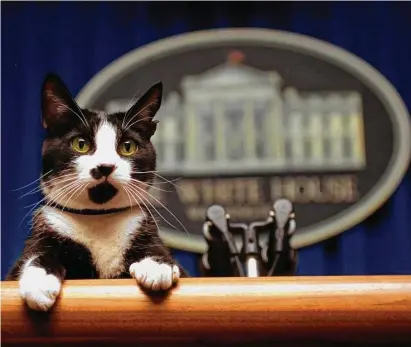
289,311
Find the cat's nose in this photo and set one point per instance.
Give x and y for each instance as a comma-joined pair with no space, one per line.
102,171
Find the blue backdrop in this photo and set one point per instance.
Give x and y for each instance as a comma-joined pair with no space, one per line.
76,40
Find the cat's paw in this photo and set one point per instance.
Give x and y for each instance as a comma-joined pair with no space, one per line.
38,289
153,275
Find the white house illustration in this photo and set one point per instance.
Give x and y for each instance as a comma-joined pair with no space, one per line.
236,119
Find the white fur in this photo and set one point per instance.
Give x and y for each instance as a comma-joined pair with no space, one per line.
106,236
153,275
37,288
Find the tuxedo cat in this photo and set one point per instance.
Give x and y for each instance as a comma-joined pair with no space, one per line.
94,223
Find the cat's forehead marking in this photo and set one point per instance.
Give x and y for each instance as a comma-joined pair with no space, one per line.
105,153
106,136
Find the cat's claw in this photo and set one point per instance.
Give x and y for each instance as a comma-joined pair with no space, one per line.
153,275
38,289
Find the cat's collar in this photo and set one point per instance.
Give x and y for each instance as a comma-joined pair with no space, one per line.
91,212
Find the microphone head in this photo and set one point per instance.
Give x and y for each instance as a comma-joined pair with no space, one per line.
217,215
282,209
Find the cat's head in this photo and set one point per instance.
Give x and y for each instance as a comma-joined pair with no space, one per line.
95,160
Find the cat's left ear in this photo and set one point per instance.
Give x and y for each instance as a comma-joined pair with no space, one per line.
144,110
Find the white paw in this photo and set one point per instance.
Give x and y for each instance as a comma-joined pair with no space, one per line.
153,275
38,289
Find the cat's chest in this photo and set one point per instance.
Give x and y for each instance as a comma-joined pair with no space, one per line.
107,237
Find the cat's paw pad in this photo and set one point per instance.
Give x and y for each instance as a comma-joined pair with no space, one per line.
38,289
153,275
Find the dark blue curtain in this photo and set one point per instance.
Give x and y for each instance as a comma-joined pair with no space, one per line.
77,39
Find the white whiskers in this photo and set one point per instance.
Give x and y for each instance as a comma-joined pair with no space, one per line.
66,178
131,105
83,118
130,193
79,189
52,197
136,189
161,177
127,126
28,185
150,186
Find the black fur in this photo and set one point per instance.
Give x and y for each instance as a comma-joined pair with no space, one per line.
102,193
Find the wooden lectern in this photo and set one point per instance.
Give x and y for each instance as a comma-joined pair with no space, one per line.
289,311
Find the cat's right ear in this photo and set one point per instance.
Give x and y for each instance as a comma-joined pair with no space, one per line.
56,102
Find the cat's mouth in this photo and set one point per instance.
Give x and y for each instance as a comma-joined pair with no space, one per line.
102,193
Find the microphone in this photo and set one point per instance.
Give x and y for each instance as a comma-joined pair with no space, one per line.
222,250
283,226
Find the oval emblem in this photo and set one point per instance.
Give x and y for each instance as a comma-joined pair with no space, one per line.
252,115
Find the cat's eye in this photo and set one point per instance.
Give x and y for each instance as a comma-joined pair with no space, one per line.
80,145
127,148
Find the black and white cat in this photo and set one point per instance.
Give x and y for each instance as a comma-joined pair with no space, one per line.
97,168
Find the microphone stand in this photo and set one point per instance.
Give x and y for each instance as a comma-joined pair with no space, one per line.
252,251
